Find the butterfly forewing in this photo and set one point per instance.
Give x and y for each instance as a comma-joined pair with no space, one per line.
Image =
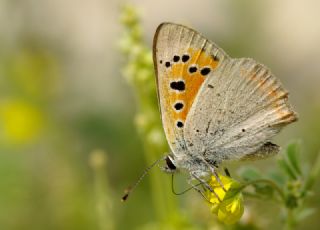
183,60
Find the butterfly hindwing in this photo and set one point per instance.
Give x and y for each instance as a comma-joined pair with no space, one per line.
183,60
238,109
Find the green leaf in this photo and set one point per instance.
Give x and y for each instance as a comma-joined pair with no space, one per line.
287,169
313,175
306,212
277,177
250,174
292,151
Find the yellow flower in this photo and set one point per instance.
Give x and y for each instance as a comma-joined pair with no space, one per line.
20,121
229,207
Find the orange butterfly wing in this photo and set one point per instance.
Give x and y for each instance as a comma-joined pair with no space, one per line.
183,59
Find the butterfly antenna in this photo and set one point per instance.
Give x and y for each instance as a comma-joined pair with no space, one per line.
129,190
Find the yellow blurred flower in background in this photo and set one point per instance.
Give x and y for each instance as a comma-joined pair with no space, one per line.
21,121
229,208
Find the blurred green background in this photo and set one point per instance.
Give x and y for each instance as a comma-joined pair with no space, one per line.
68,143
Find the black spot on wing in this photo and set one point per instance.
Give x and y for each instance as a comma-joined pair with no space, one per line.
176,58
193,69
178,85
205,71
179,124
178,106
185,58
215,57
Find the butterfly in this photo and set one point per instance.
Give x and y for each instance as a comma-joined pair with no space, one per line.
214,108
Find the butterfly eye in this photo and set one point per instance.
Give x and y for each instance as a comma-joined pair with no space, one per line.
170,163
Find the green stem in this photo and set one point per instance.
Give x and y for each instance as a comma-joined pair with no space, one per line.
290,221
139,73
98,163
252,195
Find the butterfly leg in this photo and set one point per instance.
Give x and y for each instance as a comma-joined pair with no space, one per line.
226,171
193,175
213,171
195,187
